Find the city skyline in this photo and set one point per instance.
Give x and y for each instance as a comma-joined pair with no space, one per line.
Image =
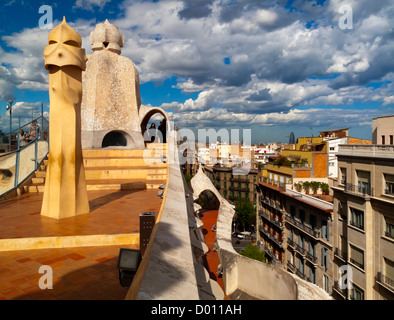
274,67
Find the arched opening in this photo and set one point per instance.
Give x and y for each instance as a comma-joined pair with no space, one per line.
114,139
208,200
158,134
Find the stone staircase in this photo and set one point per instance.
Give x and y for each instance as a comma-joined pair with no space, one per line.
116,169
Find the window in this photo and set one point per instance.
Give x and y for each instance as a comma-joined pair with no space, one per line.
357,256
342,210
391,139
301,265
332,148
312,249
383,140
390,229
389,184
225,193
302,216
324,257
312,275
301,241
389,269
325,232
357,218
292,211
363,183
326,283
356,293
312,220
343,176
291,235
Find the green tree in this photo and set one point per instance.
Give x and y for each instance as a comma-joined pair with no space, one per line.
245,211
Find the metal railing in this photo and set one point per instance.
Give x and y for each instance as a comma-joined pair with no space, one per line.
359,190
386,281
302,226
26,155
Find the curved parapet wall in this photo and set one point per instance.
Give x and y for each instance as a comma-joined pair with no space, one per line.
243,277
171,268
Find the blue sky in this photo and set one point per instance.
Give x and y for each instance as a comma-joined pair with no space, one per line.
271,66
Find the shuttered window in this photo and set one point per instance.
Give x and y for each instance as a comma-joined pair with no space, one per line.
357,256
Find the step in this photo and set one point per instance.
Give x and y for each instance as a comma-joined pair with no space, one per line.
38,180
121,172
123,162
34,188
103,153
40,174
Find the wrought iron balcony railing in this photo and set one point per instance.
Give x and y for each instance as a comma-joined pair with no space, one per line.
302,226
359,190
385,281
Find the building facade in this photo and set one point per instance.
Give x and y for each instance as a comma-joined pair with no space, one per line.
233,186
295,231
364,221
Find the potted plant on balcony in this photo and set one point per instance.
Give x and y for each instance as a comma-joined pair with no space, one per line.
298,186
325,188
315,185
307,186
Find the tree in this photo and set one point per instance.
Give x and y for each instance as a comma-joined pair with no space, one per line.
245,211
253,252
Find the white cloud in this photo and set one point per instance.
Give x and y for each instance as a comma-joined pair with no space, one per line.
89,5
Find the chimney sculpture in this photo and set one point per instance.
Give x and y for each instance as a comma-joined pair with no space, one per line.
65,193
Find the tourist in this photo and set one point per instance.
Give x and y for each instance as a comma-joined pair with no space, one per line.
22,138
152,132
32,131
163,128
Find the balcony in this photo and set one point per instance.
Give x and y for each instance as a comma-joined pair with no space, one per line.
362,191
291,267
340,254
300,249
271,236
311,257
303,227
342,292
271,219
385,281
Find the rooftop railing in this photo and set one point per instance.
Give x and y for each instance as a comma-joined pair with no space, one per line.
26,157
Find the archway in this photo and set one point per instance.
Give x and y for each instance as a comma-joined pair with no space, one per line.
208,200
114,139
154,115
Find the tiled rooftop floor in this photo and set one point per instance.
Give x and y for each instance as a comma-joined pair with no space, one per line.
112,212
78,273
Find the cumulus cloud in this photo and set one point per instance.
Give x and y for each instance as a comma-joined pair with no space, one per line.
248,60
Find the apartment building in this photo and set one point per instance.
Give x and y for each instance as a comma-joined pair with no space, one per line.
233,186
295,231
364,219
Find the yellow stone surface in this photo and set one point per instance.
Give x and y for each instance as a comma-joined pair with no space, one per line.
65,192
